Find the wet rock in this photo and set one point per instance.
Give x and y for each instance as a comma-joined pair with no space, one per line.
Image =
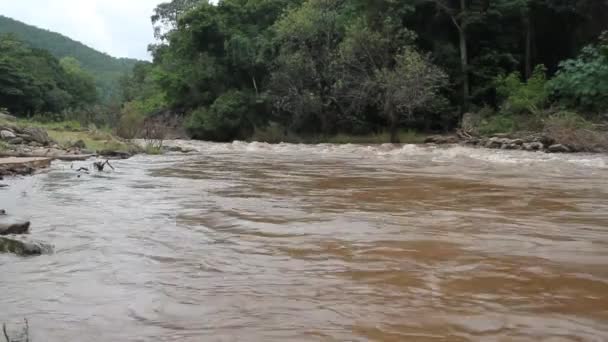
518,142
115,154
511,146
558,148
23,248
14,228
441,139
7,135
472,141
494,142
2,212
178,149
533,146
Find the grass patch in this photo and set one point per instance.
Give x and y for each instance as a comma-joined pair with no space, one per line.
94,140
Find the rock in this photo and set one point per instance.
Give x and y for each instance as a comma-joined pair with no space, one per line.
14,228
7,135
558,148
16,141
35,144
38,135
494,143
79,144
178,149
511,146
115,154
23,248
441,139
533,146
518,142
2,212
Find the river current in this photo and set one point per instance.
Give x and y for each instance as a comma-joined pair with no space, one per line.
257,242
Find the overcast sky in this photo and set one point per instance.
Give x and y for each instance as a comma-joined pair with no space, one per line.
120,28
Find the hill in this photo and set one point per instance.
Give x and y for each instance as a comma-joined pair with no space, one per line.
105,68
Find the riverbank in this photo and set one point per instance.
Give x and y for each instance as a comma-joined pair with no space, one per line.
63,141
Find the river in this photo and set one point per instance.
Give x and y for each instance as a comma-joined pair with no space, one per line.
257,242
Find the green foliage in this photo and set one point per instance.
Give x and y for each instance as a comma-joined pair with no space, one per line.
33,81
521,97
497,124
583,81
105,69
131,120
228,118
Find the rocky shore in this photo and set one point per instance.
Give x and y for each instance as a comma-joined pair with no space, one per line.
533,142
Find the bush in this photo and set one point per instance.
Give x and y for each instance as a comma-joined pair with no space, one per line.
497,124
522,97
572,130
131,121
583,82
227,119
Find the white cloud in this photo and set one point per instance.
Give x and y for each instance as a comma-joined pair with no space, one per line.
120,28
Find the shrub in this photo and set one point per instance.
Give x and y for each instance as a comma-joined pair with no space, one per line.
583,82
228,118
573,130
497,124
522,97
131,121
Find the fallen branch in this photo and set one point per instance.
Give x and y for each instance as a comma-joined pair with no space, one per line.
100,166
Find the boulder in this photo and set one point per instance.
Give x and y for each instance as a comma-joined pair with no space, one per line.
494,143
2,212
558,148
23,247
14,228
37,135
533,146
7,135
16,141
511,146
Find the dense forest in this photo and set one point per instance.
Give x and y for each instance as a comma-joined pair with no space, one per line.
32,81
277,69
105,69
358,66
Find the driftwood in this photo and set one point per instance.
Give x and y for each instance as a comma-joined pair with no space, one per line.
101,165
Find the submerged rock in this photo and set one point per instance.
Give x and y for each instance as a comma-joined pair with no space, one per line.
533,146
558,148
14,228
115,154
441,139
23,248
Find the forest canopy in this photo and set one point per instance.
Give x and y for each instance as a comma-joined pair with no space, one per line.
361,66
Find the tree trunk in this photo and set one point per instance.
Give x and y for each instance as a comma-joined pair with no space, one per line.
394,129
528,53
464,60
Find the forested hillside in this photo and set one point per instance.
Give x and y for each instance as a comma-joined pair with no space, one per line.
324,67
105,69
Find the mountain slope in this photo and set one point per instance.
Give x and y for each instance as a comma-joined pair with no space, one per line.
105,68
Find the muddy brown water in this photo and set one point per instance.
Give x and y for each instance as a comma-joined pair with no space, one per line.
253,242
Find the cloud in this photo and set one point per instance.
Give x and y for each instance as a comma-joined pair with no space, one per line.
120,28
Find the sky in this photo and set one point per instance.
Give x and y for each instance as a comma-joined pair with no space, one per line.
121,28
